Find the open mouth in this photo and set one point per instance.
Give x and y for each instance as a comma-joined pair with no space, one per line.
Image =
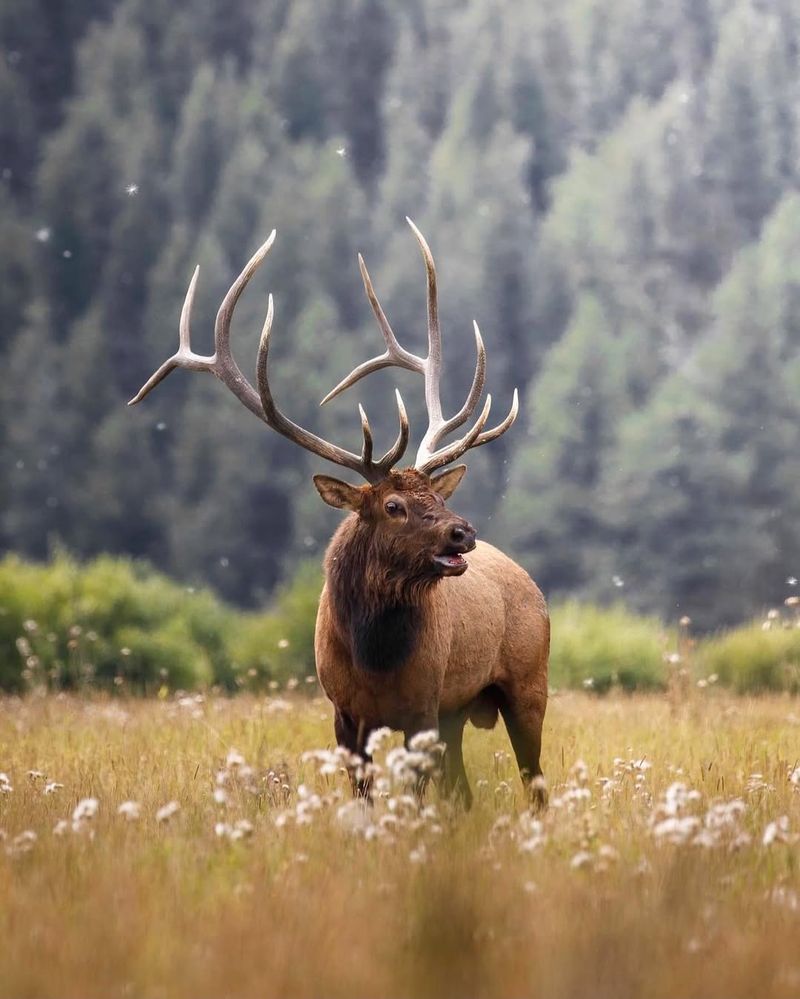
451,564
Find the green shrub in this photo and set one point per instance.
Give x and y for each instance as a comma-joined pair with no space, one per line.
598,648
752,660
65,625
279,645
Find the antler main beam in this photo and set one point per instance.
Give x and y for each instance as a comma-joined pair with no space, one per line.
430,455
222,364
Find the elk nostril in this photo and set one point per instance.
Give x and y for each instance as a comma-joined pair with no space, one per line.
458,534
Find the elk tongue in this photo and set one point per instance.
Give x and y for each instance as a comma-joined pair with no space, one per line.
453,559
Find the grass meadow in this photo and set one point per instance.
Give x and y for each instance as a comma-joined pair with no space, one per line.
668,862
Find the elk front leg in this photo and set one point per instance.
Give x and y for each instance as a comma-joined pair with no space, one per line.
428,722
451,730
353,737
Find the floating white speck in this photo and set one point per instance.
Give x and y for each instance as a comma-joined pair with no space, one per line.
131,190
43,234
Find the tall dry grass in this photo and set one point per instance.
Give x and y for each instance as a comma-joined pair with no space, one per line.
663,867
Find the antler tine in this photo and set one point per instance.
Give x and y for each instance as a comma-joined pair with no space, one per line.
447,454
183,357
474,394
428,457
475,438
366,450
221,363
433,362
371,471
398,449
394,355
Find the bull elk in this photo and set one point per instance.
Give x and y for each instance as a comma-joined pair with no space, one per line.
419,626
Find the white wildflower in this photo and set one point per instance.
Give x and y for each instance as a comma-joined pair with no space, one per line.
377,739
353,816
419,855
23,843
85,810
756,782
238,831
130,810
166,812
579,772
51,787
777,832
424,741
786,898
242,829
676,830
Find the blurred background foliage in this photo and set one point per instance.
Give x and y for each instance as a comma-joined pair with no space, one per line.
118,625
610,188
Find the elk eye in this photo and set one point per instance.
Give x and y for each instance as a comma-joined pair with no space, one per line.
392,507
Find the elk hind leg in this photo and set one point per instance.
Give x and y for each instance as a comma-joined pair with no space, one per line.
524,716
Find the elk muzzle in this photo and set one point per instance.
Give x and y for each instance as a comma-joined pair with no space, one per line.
459,539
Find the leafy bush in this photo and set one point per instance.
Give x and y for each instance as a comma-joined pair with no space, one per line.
752,660
598,647
111,621
280,645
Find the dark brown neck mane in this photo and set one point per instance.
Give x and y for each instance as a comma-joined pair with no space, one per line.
378,606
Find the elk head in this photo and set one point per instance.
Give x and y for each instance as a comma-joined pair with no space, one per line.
404,511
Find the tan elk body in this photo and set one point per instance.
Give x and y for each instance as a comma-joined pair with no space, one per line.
419,626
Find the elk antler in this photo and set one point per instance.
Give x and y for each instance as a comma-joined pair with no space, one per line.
222,364
430,456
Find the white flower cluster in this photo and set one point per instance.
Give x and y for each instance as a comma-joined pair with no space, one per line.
678,819
396,815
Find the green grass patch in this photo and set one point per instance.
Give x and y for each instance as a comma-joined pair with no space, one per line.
753,660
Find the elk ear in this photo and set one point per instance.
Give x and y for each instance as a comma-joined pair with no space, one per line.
447,483
337,493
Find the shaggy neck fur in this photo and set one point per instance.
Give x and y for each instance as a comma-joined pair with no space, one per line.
378,605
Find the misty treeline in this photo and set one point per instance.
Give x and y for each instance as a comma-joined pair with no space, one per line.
609,189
